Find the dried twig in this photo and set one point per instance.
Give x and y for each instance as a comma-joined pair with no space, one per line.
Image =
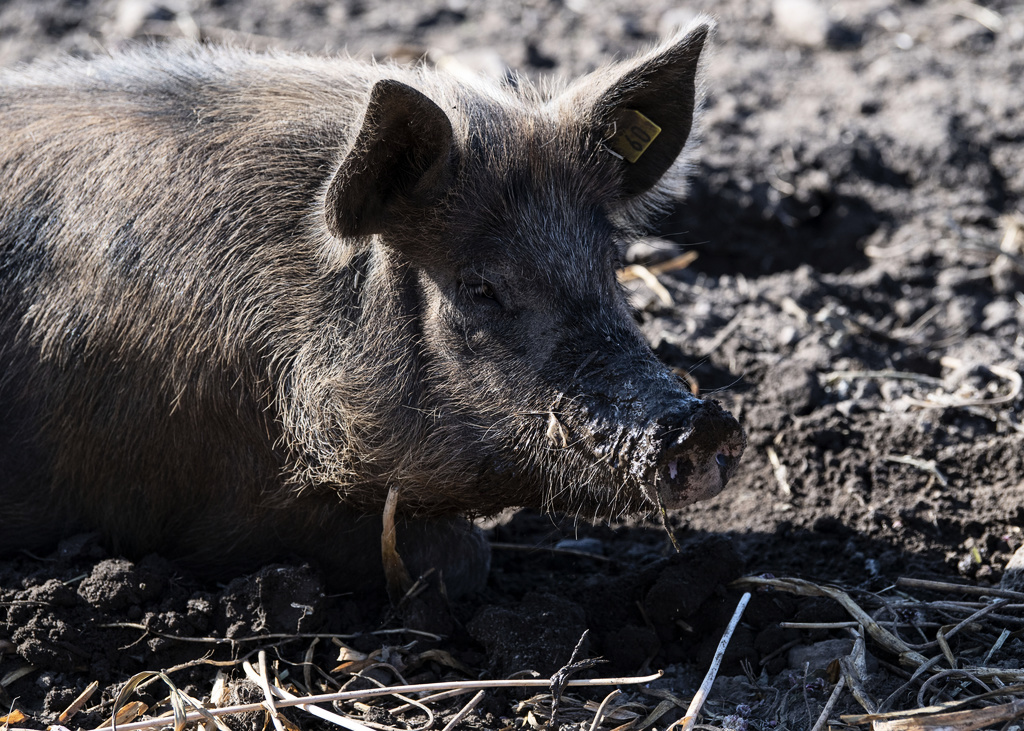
628,274
78,703
398,580
393,690
647,276
780,472
334,718
466,710
987,18
284,636
829,704
882,636
675,263
263,680
599,715
724,334
883,375
948,586
433,697
651,718
970,720
927,465
690,717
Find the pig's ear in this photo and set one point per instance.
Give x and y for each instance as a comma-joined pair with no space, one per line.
645,112
401,161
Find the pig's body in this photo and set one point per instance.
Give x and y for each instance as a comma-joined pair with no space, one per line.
243,296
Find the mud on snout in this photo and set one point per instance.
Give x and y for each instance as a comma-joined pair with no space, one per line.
682,450
699,451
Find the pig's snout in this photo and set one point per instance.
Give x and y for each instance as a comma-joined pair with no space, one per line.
699,454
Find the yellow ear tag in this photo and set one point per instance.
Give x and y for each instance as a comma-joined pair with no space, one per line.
634,133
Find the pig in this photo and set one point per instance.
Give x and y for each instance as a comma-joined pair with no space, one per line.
244,297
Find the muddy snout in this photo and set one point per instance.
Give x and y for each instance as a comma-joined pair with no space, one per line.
699,453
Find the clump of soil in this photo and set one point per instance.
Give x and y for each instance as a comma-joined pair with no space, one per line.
857,207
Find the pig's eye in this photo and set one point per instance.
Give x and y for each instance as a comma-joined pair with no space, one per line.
481,292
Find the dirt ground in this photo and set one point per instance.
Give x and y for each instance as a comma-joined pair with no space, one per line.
857,207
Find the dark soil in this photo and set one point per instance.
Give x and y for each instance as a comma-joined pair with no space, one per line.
857,206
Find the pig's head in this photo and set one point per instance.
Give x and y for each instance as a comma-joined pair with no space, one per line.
498,217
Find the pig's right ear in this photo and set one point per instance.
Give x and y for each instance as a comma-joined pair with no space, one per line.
402,160
644,109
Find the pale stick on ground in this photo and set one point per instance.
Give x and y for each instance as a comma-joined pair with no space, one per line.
687,721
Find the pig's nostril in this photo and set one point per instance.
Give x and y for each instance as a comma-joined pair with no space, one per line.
673,469
721,459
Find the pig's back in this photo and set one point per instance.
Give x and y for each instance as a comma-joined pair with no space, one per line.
159,231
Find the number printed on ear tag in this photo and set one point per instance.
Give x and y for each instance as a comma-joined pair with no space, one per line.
634,133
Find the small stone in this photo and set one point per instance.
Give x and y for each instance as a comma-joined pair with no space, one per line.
583,545
1013,574
819,655
788,336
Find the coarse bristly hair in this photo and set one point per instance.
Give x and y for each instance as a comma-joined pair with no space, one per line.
272,287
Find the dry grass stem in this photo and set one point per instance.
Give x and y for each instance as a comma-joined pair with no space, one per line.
996,646
926,465
325,715
690,717
333,636
16,674
654,716
724,334
466,710
647,276
800,587
829,705
943,400
970,720
882,375
426,700
263,680
934,680
599,714
780,472
398,580
465,685
78,703
946,586
675,263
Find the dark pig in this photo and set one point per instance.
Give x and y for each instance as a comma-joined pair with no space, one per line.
244,296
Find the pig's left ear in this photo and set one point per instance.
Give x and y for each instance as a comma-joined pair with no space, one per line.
644,108
401,161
